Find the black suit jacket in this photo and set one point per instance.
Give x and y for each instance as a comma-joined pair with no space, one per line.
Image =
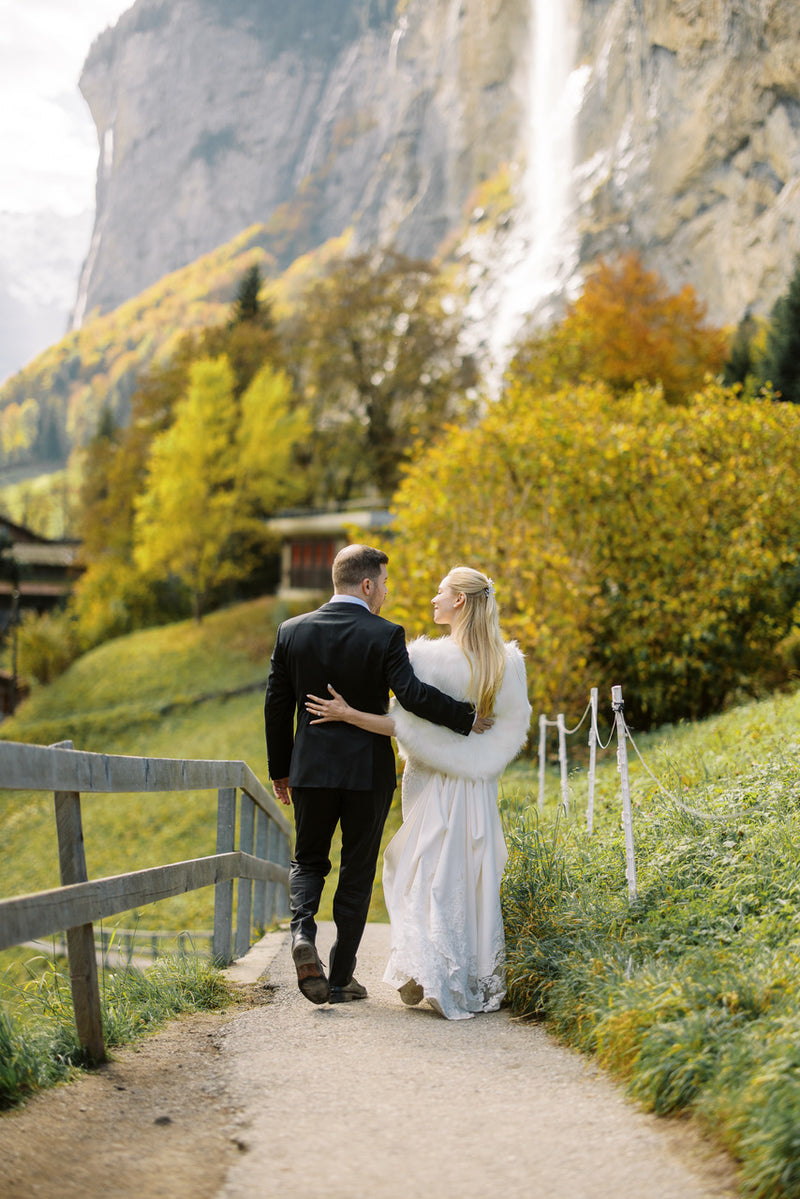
363,656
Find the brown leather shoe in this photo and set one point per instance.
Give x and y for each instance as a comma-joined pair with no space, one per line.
347,993
310,976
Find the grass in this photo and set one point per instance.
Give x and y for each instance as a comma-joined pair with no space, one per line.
38,1042
689,993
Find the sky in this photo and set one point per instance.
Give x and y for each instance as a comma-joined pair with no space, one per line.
48,143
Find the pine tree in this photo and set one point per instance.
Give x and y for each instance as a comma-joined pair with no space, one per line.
248,305
781,366
740,364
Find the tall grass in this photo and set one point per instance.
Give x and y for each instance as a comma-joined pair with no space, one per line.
38,1041
690,993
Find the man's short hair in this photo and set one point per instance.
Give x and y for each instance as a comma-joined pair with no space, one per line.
357,562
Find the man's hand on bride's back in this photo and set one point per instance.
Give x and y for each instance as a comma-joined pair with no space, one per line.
482,723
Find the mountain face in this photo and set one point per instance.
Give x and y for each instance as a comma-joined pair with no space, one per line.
313,116
689,143
384,116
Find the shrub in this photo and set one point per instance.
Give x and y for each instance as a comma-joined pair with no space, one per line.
645,543
48,643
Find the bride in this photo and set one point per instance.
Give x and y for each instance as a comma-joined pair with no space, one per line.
442,869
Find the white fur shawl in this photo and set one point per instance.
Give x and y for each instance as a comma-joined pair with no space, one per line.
483,755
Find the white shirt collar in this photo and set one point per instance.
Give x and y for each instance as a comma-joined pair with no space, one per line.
349,599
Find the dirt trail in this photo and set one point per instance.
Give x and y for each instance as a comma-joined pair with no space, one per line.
371,1099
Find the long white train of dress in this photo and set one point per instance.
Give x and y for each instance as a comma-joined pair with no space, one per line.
442,869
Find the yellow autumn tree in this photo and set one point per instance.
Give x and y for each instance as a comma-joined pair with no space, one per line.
632,541
213,473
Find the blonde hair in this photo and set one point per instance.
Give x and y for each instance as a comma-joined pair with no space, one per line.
477,633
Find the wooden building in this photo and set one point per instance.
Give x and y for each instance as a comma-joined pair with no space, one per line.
310,539
36,573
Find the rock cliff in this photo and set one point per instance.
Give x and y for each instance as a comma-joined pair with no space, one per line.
384,115
315,116
689,142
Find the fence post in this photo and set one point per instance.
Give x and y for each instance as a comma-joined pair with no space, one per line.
562,760
80,940
223,892
260,885
273,855
592,760
618,705
283,858
244,900
542,752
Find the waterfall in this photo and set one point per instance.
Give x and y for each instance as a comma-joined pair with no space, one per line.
549,142
537,257
397,37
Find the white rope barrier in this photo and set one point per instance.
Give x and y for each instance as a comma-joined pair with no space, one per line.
620,728
623,734
563,732
586,711
679,802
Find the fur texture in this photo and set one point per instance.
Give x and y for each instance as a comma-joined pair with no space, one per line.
478,756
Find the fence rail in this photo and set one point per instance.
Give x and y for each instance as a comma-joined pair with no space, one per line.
260,864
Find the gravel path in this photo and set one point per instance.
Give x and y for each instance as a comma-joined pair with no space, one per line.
375,1099
368,1100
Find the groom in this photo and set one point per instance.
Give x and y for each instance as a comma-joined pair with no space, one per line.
336,773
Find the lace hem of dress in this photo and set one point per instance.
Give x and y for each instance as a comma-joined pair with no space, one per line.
455,992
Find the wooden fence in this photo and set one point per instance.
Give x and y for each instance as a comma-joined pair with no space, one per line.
260,863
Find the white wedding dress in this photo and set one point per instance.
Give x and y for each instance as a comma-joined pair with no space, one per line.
442,869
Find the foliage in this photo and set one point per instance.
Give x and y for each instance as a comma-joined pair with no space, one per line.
688,994
746,354
39,1044
632,540
55,403
44,502
47,644
115,461
781,364
185,511
376,343
212,473
625,328
19,425
114,596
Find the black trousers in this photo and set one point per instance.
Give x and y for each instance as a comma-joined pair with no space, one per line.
362,815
